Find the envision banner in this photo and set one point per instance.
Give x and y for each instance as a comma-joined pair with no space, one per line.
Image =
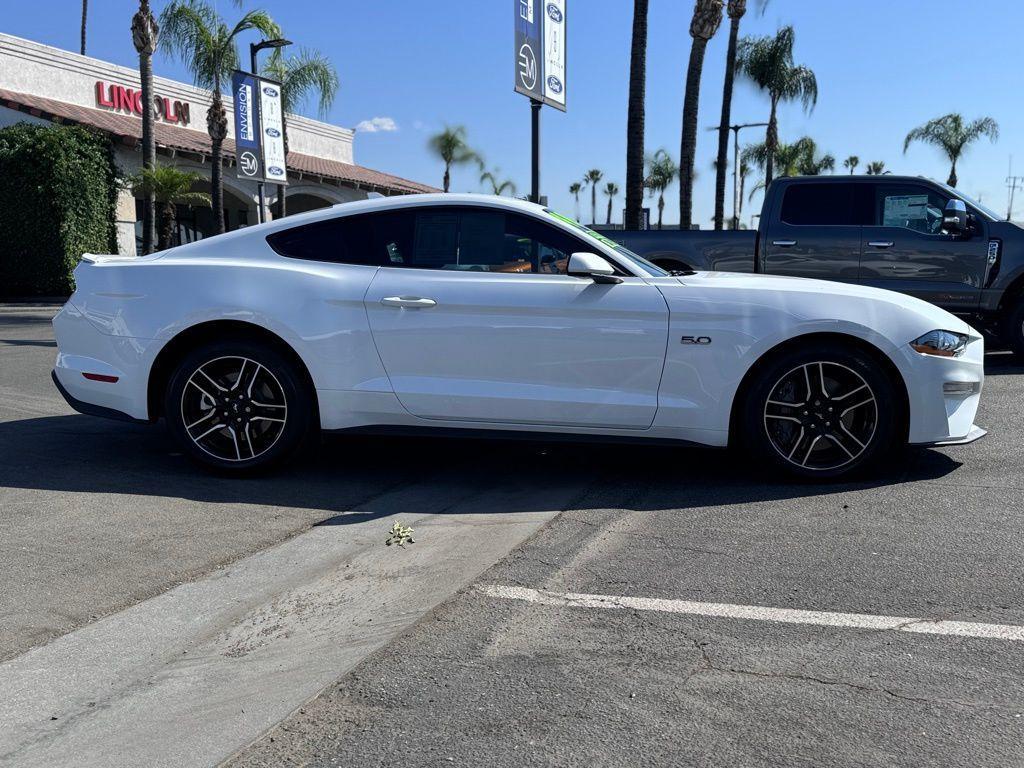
540,50
259,129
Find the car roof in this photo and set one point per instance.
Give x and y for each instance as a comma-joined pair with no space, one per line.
859,178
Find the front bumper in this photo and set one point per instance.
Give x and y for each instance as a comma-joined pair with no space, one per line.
944,396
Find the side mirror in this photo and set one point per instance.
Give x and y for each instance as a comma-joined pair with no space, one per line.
593,266
954,218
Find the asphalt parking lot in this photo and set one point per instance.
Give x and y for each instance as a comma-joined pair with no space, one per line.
550,656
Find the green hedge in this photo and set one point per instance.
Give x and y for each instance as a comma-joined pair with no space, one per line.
58,196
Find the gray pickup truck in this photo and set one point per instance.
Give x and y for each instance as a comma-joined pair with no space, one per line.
907,234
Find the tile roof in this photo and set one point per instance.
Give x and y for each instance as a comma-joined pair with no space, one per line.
172,137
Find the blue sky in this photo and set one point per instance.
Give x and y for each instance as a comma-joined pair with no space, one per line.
883,67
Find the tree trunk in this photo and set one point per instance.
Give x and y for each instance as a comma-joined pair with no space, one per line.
85,18
593,203
168,213
771,143
723,130
688,147
739,202
447,176
661,207
145,33
636,117
952,175
217,125
148,150
609,221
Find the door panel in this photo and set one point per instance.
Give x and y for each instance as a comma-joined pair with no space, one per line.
520,348
905,250
815,233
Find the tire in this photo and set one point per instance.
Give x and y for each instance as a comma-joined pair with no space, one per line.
256,393
1013,328
821,412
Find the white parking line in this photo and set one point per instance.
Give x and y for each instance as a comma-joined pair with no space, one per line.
760,613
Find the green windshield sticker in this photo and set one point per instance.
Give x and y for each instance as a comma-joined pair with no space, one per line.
575,224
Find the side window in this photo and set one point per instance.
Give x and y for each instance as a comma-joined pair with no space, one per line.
909,206
820,204
545,248
344,240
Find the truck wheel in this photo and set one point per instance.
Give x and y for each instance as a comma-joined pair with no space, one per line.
1013,328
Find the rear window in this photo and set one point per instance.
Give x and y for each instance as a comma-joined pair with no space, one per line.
345,240
820,205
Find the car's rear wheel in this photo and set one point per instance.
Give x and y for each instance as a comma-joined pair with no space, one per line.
238,406
822,412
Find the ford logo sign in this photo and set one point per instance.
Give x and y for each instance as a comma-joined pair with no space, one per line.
273,132
554,84
275,171
554,13
271,92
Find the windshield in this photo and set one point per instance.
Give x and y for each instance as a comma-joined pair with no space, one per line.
971,202
652,270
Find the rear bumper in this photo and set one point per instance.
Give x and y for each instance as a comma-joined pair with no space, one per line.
122,362
92,410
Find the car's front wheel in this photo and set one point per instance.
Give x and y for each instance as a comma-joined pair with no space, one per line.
821,412
237,406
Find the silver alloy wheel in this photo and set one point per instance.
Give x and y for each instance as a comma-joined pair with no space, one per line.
233,408
821,416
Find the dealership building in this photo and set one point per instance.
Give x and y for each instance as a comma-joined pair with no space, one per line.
42,84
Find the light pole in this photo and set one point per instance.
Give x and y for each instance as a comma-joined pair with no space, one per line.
736,166
255,48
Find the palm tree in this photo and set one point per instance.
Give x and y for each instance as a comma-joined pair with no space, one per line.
768,63
707,17
797,159
85,18
194,32
851,162
145,33
809,163
736,10
301,76
592,177
635,119
450,146
952,135
498,187
170,187
574,189
877,168
611,189
661,172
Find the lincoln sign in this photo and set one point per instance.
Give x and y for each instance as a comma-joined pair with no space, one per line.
129,100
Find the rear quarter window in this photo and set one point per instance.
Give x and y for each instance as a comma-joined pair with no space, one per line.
344,240
824,204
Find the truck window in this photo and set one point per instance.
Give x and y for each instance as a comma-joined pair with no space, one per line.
909,206
819,204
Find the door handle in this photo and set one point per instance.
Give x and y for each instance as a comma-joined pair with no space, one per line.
881,243
408,302
784,243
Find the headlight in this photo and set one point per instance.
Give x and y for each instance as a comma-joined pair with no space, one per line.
941,344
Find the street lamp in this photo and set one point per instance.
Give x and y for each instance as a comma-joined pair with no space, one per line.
255,48
736,166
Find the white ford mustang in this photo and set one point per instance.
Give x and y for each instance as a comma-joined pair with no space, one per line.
465,312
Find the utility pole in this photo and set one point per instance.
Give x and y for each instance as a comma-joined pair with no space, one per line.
736,166
1012,182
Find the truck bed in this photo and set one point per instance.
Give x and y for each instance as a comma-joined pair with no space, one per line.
723,251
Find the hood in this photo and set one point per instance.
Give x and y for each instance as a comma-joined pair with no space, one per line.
824,299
